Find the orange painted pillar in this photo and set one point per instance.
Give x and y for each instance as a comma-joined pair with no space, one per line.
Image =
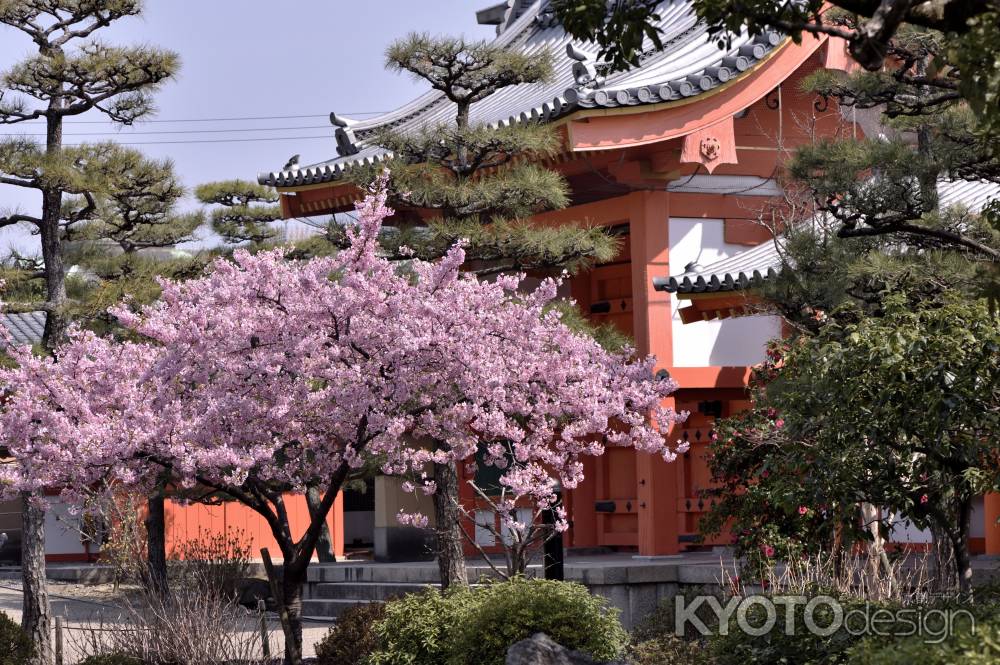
336,524
657,491
580,507
991,510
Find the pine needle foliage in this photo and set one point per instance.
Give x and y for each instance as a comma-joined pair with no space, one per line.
243,211
466,72
503,246
118,236
71,72
887,185
481,183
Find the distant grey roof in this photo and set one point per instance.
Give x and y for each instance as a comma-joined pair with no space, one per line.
25,328
689,64
753,266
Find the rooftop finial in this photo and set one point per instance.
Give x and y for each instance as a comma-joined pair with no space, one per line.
584,69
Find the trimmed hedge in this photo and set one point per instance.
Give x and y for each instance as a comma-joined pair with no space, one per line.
15,645
352,639
110,659
505,613
478,625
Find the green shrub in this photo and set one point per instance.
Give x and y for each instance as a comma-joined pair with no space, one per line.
418,628
352,640
507,612
979,647
15,645
669,649
478,626
776,648
110,659
661,622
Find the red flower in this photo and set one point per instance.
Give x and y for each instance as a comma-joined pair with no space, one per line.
924,499
768,551
803,510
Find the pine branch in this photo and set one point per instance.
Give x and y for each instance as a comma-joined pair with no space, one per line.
948,238
18,218
246,212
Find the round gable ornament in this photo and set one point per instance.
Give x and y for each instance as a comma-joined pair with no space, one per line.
710,148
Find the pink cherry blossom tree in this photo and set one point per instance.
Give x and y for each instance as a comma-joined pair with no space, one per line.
268,375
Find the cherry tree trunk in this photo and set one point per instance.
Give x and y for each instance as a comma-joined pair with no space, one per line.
324,546
156,543
36,616
447,516
292,582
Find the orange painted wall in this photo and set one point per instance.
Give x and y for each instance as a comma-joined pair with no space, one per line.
187,522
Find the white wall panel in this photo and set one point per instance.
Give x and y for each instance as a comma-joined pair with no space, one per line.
738,341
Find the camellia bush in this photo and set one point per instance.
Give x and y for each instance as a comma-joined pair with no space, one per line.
896,411
268,375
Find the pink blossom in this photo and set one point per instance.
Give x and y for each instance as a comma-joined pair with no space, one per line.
267,372
412,519
779,423
924,499
803,510
768,551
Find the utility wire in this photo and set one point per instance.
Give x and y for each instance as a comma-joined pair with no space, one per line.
188,141
235,118
182,131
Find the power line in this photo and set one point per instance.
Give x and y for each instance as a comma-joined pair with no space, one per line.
230,119
266,138
185,131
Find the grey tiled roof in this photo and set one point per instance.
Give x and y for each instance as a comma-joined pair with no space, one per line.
689,64
739,271
750,267
25,328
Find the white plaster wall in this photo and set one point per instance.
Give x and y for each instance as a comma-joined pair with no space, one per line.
62,530
903,531
739,341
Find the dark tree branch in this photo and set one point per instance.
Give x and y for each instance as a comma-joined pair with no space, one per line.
950,237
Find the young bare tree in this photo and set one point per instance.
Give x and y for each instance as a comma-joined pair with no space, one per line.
70,74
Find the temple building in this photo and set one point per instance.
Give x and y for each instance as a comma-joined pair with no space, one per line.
680,156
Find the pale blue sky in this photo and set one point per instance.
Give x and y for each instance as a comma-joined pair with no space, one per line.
245,58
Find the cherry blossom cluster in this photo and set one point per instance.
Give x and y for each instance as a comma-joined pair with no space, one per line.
273,373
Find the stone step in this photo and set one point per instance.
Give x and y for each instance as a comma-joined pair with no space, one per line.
369,591
391,573
327,608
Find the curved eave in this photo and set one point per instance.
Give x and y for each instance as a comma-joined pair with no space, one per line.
571,106
713,283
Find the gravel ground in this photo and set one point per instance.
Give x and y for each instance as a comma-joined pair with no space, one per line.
84,606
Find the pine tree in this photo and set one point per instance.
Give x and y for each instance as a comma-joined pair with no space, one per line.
129,241
887,185
71,74
242,210
479,183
